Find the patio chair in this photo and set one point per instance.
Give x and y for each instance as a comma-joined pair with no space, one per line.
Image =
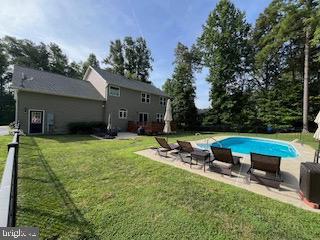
268,164
165,147
223,160
193,153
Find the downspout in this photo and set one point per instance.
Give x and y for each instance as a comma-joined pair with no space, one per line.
16,105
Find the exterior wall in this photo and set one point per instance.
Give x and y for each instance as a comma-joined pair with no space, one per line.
131,100
97,81
65,110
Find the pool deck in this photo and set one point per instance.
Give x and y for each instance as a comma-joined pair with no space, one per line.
290,170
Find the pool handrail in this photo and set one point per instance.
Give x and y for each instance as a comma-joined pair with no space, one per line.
215,140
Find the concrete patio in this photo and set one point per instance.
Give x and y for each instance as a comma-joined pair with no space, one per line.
290,169
4,130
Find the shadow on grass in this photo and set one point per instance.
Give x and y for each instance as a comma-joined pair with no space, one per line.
68,138
44,202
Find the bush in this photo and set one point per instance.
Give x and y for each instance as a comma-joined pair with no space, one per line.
85,127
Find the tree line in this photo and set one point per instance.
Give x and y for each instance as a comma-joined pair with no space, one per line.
266,74
132,59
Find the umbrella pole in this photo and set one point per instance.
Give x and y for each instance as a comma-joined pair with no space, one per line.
318,153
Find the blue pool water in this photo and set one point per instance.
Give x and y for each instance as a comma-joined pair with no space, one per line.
256,145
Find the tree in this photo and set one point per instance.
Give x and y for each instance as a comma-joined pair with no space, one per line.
26,53
309,8
276,68
284,61
168,87
91,61
130,58
115,58
4,63
181,86
225,43
58,61
6,98
74,70
144,59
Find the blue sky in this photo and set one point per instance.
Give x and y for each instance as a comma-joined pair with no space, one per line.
83,26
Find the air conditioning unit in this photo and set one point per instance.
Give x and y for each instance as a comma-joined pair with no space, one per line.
310,183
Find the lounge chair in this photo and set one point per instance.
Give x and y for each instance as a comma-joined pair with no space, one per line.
193,153
270,165
223,160
165,147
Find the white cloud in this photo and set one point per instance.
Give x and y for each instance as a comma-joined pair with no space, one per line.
17,16
74,25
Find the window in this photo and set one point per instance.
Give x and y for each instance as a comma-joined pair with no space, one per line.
36,117
123,113
159,117
143,117
162,101
114,91
145,98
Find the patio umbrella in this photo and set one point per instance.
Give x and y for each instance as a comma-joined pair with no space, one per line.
317,120
167,118
109,122
317,135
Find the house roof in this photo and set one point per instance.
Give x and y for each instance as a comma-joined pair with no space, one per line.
51,83
118,80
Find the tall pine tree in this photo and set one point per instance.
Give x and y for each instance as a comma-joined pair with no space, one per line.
130,58
225,43
181,86
115,58
58,61
144,59
91,61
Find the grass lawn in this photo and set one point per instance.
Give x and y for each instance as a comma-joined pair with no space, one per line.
4,140
76,187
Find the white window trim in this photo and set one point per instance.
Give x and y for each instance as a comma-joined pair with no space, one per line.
43,119
161,116
126,111
146,97
163,101
109,88
144,113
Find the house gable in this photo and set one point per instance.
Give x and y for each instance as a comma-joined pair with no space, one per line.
96,80
124,83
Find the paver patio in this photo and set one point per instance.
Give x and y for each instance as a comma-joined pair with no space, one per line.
290,169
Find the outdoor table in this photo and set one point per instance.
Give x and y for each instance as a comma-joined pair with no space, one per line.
203,156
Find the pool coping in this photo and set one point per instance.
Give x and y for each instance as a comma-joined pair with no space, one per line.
267,139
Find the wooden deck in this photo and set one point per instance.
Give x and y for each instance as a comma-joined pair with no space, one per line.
149,127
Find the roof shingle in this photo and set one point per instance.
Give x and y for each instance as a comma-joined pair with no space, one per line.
118,80
51,83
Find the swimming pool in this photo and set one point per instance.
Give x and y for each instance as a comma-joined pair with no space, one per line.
257,145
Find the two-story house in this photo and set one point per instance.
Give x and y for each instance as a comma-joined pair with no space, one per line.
48,102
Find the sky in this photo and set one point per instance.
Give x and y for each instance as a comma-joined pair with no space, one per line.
82,27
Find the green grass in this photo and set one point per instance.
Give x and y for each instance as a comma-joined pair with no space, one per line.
4,140
76,187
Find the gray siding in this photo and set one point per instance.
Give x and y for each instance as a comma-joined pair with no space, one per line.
65,110
131,100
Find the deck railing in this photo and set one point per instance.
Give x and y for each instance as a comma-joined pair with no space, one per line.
8,187
149,127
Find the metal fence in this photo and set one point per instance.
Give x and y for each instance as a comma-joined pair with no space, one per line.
8,188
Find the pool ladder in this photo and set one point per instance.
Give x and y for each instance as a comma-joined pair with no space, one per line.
215,140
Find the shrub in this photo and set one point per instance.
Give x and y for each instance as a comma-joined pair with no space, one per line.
85,127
